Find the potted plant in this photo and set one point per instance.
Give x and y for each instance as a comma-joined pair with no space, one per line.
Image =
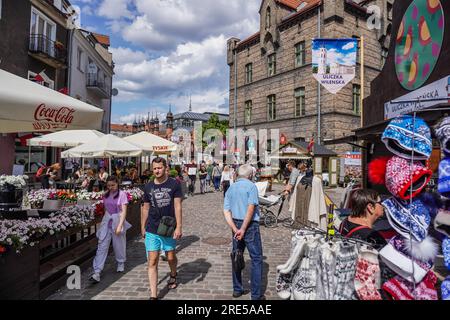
11,191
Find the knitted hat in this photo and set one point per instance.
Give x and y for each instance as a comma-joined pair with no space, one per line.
444,178
443,134
445,289
401,264
367,276
404,134
446,252
406,218
400,289
442,222
398,177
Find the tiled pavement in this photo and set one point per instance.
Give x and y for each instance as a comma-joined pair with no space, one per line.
204,270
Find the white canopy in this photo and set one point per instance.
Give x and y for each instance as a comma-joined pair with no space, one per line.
28,107
106,146
150,142
65,138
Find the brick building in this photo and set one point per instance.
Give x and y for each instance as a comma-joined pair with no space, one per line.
275,85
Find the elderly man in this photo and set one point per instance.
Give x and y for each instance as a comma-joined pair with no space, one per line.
242,215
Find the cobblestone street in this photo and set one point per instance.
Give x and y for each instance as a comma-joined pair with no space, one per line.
204,267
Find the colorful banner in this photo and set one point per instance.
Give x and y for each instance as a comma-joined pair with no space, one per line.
334,62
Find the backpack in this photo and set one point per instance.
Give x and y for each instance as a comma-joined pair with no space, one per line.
40,172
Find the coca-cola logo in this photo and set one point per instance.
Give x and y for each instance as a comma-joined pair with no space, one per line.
61,115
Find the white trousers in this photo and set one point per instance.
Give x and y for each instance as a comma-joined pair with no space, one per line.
119,245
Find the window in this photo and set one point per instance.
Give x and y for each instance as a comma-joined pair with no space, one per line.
300,54
300,109
248,112
272,64
249,73
268,18
384,54
79,59
41,25
356,98
271,107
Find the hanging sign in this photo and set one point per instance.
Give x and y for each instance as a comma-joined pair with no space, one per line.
436,93
334,62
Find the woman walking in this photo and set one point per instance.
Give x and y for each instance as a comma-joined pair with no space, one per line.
216,174
227,179
202,175
113,227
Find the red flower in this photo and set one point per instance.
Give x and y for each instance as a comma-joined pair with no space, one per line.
2,249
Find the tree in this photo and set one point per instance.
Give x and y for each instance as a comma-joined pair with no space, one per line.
215,123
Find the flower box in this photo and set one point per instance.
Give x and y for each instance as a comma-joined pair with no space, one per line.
53,204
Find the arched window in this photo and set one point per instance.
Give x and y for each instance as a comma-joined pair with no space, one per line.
268,18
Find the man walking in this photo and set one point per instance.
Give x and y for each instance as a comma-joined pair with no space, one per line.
192,173
294,174
162,198
242,215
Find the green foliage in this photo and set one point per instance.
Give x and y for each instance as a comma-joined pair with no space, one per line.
173,173
215,123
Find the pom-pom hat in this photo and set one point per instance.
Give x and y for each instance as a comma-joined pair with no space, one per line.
403,135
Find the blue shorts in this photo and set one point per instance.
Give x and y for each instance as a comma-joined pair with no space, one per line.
154,242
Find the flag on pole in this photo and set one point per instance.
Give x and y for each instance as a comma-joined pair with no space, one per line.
311,145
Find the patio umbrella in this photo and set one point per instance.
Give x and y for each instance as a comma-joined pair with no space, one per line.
26,106
106,146
65,138
150,142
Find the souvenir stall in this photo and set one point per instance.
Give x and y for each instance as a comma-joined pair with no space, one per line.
405,143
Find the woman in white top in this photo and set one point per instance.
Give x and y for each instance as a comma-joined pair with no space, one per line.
227,179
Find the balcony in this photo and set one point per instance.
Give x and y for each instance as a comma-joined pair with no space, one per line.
48,51
97,84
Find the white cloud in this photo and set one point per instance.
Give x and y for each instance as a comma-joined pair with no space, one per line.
126,55
348,46
115,9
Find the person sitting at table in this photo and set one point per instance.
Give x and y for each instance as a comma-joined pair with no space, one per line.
102,177
89,180
53,173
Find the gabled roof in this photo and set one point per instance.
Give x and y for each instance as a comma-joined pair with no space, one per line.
293,4
102,39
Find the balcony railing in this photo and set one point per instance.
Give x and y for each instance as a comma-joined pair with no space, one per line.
52,49
93,80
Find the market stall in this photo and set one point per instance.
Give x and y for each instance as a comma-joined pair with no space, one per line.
404,135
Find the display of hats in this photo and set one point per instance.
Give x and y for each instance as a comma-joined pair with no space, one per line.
399,261
443,134
408,218
400,289
446,252
400,175
444,178
442,222
405,135
445,289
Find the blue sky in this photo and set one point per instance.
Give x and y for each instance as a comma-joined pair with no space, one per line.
168,50
340,51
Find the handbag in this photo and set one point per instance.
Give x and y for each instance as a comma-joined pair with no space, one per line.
167,224
237,260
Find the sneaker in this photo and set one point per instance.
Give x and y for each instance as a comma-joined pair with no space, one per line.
120,267
95,278
239,294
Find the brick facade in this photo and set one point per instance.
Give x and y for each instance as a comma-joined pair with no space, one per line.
338,19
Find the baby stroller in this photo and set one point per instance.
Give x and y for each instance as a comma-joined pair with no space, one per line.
268,205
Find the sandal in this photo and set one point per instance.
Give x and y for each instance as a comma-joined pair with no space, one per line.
172,282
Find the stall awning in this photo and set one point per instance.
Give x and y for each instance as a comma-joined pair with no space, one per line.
150,142
26,106
288,157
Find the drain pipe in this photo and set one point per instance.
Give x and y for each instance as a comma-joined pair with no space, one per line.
318,85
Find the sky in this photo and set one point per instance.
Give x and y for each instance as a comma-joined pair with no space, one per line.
168,50
342,52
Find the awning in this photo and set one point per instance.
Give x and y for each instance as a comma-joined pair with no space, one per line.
106,146
26,106
298,157
65,138
150,142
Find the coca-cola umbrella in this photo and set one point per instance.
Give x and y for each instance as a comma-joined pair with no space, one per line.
26,106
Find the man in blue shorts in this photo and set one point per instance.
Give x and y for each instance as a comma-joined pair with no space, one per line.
162,197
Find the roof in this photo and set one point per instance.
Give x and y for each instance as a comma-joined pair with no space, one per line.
102,39
191,116
319,150
310,4
254,36
293,4
121,128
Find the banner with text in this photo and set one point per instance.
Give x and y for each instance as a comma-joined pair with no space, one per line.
334,62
